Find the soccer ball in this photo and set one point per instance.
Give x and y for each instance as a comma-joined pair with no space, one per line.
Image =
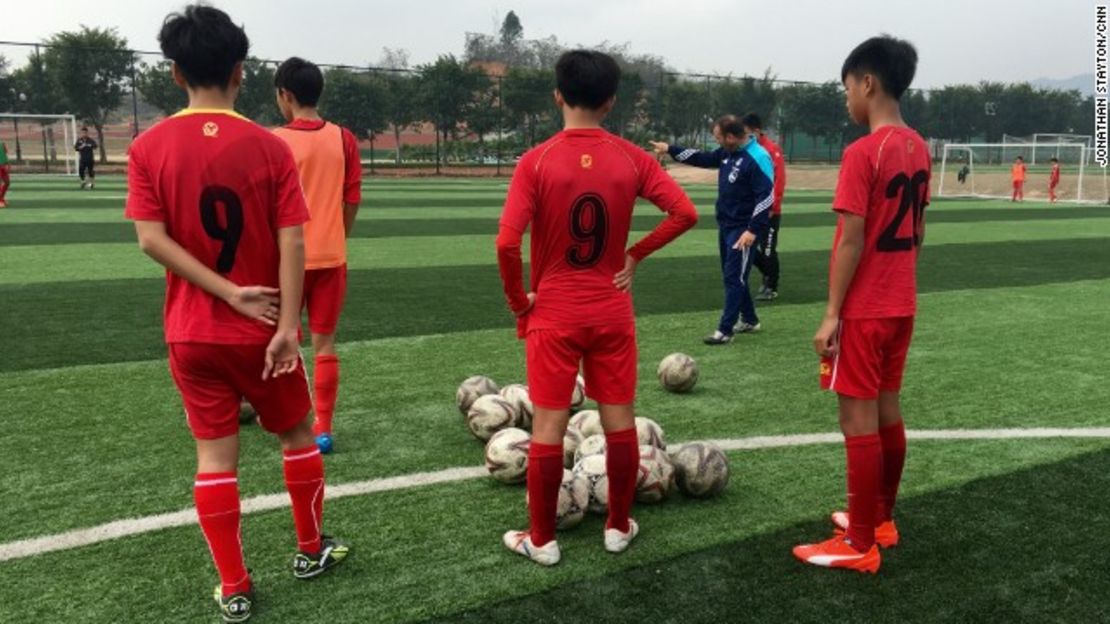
507,455
578,399
517,394
678,372
471,389
574,496
656,475
593,445
650,433
592,470
701,469
571,441
488,415
587,422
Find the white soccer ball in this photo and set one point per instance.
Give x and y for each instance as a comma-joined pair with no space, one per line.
701,469
587,422
517,394
592,470
678,372
656,475
574,496
650,433
472,388
578,399
488,415
593,445
571,442
507,455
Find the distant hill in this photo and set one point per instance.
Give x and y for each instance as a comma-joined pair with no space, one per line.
1084,83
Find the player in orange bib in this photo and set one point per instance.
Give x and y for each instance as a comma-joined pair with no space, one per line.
863,340
331,174
1017,174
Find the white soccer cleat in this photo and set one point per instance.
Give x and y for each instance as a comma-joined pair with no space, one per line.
617,542
520,542
746,328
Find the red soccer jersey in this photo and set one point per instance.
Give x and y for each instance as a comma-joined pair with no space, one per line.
884,178
779,164
577,190
223,186
1054,177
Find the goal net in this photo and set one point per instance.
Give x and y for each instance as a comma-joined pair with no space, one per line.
40,143
983,170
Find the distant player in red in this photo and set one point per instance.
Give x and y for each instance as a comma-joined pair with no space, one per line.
864,338
217,201
767,260
1017,174
1053,180
331,174
5,174
576,191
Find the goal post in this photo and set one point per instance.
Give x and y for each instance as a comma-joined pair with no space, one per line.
983,170
40,143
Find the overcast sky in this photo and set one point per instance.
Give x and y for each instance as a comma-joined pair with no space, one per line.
957,40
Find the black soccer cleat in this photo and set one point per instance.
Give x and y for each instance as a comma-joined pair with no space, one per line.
236,607
309,565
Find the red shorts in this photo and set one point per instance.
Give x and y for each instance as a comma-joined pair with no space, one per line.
606,354
214,378
1019,183
324,290
871,358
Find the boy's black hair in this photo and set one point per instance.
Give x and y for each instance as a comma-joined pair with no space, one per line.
587,78
1019,157
84,128
301,78
730,124
205,44
752,120
892,61
1054,159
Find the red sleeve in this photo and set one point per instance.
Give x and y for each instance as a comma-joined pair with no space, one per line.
520,206
520,202
511,266
780,178
352,177
658,187
291,207
142,200
853,187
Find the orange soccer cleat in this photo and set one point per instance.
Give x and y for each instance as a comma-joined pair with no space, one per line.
838,553
886,534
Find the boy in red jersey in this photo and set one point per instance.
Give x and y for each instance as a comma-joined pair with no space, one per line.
1053,180
577,191
864,338
5,174
331,174
216,200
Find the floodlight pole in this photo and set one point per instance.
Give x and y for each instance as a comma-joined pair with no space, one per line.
134,102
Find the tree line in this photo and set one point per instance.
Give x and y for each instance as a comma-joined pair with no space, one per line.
498,96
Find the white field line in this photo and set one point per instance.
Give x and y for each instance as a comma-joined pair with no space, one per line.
136,526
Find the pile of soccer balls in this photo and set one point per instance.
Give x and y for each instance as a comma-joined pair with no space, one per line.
501,417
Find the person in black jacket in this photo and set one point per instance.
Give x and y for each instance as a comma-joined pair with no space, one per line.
86,147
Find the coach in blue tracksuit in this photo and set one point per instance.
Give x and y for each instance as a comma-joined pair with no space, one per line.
745,184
